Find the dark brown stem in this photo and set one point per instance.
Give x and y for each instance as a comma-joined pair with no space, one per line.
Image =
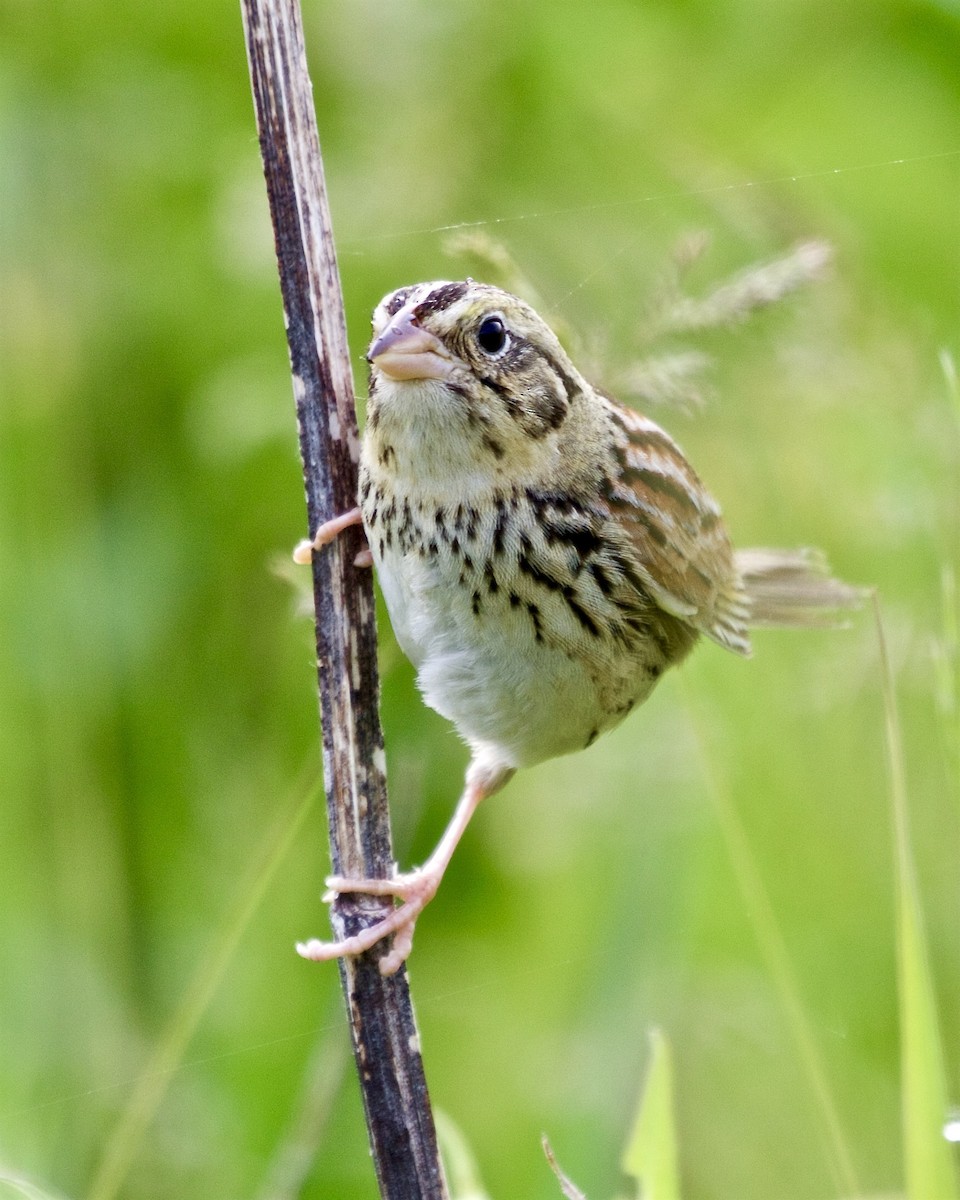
385,1040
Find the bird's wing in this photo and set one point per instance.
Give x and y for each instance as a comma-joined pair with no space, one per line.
684,556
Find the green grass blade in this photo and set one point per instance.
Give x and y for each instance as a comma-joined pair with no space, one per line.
766,928
927,1154
463,1174
125,1140
15,1187
651,1153
928,1164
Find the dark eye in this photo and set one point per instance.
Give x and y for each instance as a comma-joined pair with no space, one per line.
492,335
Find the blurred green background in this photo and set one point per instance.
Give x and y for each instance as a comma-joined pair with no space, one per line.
157,701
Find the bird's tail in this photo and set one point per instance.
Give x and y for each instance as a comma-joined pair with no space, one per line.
793,589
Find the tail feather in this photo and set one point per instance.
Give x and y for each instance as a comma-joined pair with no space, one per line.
793,589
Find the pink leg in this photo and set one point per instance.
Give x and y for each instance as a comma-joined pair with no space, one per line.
303,551
415,889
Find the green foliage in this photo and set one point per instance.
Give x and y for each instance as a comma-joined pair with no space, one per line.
928,1162
651,1155
13,1187
928,1157
463,1173
726,877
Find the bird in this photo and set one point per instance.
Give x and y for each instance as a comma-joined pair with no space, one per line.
545,554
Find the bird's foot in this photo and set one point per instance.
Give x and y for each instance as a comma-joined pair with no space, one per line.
303,551
415,890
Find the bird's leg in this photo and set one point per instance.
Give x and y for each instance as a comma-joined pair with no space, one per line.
303,551
415,889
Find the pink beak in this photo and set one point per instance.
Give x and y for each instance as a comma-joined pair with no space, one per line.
405,351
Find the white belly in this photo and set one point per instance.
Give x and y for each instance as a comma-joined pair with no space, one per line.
486,672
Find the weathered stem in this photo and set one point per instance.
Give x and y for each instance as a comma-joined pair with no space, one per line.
385,1040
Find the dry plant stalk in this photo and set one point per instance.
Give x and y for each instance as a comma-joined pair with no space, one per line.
382,1024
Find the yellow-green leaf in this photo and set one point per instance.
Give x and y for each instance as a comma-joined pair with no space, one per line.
461,1166
928,1162
651,1153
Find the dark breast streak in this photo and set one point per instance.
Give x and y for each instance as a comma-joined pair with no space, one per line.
540,552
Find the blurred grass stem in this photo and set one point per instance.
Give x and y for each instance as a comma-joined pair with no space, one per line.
127,1135
770,939
927,1155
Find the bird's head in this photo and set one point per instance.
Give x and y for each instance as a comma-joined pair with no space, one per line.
465,370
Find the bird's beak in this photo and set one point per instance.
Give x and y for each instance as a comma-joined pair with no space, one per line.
405,351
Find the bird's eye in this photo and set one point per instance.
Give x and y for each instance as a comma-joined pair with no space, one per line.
492,335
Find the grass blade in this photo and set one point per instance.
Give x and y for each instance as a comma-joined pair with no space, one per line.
928,1164
463,1174
651,1153
763,919
21,1187
125,1140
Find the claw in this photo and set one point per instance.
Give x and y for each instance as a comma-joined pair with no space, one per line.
415,890
415,885
303,551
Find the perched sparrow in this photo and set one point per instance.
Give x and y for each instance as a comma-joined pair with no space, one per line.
545,555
